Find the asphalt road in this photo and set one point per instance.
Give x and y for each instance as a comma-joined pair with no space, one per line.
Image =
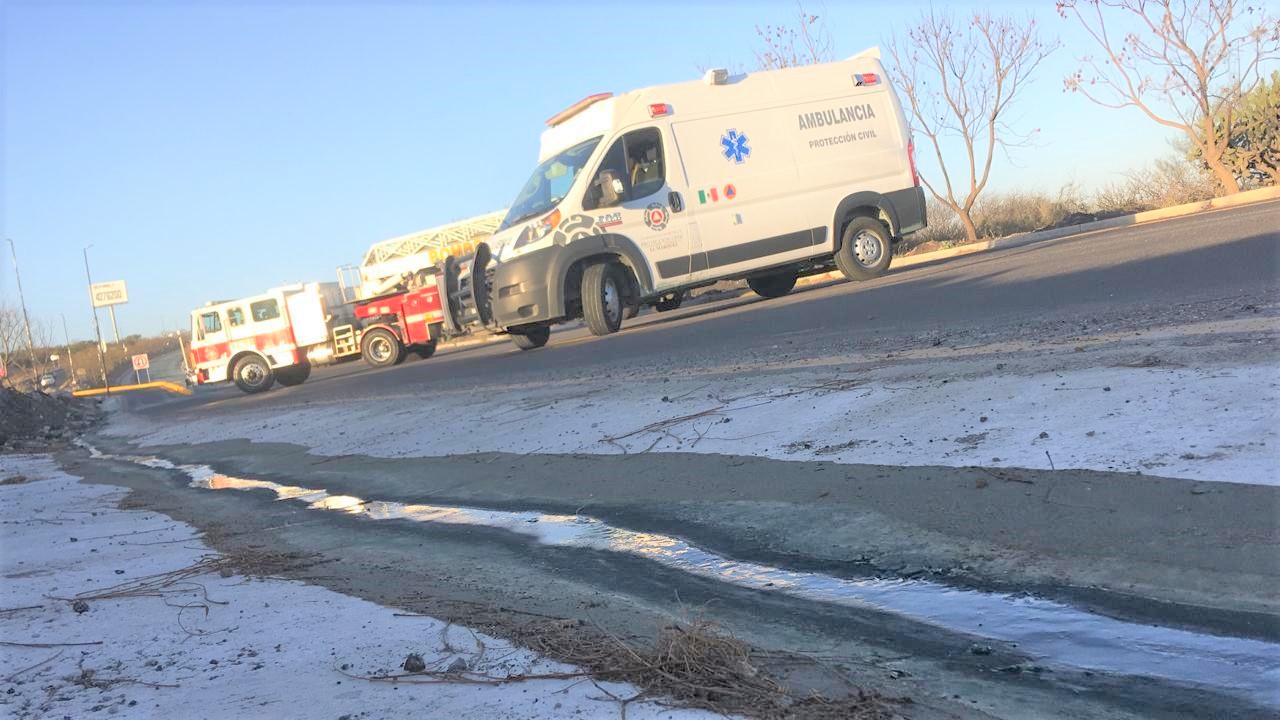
1131,275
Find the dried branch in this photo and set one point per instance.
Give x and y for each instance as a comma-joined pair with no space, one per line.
962,79
1185,65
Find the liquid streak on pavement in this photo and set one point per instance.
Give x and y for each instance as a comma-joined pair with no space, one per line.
1058,633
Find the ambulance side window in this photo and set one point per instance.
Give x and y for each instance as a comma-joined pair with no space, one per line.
645,170
264,310
210,323
235,317
614,164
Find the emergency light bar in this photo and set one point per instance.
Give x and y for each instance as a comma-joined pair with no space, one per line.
861,79
576,108
659,110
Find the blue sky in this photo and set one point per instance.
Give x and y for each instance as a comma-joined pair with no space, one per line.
212,150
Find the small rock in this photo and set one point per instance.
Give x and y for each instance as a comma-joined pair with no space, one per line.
80,606
1106,389
1044,436
980,649
982,419
458,665
119,572
414,663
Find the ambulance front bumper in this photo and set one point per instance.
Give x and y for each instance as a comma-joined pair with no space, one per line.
521,293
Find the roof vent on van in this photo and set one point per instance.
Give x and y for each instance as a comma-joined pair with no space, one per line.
716,76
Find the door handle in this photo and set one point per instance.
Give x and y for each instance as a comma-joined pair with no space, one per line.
675,201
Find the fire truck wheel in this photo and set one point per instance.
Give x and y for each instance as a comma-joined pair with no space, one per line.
772,286
252,374
532,338
294,374
380,348
603,301
865,250
425,350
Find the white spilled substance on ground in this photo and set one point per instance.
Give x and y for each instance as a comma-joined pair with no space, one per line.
1214,424
216,647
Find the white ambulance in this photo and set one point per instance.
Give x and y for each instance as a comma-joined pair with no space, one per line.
766,176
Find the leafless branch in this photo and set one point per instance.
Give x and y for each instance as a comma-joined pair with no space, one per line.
961,78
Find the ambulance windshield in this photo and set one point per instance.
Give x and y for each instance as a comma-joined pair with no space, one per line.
550,183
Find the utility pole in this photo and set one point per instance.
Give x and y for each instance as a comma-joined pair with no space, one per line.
31,346
97,331
70,358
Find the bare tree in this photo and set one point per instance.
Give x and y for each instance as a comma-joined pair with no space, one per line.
1185,65
805,43
961,79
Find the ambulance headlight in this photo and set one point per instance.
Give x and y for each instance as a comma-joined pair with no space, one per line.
538,230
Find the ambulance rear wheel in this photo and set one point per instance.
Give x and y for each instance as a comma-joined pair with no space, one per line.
531,339
603,298
252,374
381,348
772,286
294,374
865,250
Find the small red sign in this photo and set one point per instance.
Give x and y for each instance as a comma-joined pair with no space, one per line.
730,192
141,362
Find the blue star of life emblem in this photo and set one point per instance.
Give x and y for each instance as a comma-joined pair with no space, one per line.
735,146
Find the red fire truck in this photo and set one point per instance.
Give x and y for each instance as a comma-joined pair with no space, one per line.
263,339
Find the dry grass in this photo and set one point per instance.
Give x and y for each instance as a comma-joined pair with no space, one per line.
1164,183
695,665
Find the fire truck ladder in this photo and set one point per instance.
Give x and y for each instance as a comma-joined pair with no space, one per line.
388,264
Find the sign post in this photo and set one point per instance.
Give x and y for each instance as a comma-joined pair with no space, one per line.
140,363
93,303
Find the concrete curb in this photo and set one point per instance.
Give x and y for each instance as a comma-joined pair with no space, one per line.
1248,197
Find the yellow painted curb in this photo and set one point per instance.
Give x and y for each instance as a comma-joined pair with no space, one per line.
165,385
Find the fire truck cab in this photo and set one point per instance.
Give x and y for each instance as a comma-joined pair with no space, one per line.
259,340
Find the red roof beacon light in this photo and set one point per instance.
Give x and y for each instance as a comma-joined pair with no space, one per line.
861,79
659,110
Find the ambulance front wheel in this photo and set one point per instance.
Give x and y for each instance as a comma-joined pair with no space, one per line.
865,249
532,338
381,348
603,297
252,374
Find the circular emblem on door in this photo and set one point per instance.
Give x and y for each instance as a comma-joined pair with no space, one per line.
656,216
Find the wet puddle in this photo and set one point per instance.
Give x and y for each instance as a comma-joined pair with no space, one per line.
1051,633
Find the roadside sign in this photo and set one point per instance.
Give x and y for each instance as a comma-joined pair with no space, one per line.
108,293
141,362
